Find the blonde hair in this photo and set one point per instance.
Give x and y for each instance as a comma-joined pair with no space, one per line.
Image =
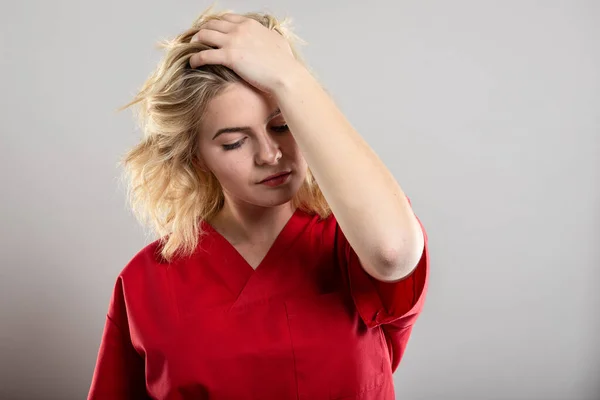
166,190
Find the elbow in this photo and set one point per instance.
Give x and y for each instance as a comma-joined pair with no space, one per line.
399,260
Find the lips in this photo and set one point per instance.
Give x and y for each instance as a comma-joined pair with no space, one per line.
275,176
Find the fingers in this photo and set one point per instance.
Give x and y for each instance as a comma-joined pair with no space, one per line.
210,37
211,56
214,33
235,18
219,25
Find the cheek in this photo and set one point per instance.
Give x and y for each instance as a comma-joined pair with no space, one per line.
292,149
231,169
228,171
300,161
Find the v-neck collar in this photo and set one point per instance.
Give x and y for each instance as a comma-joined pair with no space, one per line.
289,231
243,281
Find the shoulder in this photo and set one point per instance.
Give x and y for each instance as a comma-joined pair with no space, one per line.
144,278
142,285
145,262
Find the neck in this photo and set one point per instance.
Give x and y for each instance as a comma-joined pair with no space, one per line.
250,224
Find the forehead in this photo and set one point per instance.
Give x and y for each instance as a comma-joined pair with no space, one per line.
238,105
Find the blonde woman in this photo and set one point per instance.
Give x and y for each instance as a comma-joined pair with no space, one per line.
290,264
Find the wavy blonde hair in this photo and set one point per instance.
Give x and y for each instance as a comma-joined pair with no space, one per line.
165,189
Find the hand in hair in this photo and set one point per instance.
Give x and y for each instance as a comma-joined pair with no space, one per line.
260,56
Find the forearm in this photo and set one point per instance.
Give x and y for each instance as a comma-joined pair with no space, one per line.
368,203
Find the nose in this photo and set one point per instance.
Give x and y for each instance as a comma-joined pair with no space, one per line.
268,151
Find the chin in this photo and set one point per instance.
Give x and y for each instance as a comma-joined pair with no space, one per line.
273,198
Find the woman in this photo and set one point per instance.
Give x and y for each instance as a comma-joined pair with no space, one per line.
264,284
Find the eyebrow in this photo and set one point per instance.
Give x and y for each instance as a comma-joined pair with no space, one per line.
244,128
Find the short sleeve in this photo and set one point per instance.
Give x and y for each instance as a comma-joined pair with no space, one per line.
382,303
119,371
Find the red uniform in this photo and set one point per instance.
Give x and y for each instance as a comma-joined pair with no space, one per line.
308,323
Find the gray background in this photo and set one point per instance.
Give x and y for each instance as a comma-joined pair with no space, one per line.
488,114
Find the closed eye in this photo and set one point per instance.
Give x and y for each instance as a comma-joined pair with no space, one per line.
235,145
239,143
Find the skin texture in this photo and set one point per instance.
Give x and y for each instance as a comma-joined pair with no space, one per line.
369,204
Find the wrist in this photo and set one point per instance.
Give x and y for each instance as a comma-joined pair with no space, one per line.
294,77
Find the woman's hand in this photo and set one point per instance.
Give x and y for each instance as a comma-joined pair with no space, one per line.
260,56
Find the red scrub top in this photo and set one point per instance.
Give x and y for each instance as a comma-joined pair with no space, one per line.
308,323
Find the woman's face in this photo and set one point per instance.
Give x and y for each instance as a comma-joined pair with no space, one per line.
243,140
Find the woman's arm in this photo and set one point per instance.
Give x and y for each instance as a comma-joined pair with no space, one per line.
368,203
